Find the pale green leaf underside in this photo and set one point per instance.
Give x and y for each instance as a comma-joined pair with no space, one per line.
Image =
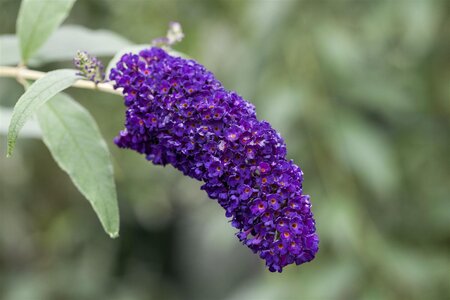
63,44
35,96
37,20
76,144
30,129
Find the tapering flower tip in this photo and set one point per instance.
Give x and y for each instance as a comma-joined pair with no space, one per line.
174,35
178,113
90,67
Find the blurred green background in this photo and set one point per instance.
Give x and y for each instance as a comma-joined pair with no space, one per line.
359,89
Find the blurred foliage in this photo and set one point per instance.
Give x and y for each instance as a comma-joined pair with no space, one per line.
361,92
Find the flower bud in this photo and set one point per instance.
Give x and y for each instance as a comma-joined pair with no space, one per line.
90,67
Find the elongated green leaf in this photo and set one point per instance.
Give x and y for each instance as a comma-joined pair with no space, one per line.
76,144
36,22
30,130
35,96
9,50
63,44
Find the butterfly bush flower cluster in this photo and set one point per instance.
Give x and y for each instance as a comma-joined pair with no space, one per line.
90,67
178,113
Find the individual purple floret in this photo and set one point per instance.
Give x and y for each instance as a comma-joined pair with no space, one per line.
180,114
90,67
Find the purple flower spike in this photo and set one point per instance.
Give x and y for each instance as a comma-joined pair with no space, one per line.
178,113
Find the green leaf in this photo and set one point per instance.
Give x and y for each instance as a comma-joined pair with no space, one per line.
76,144
35,96
9,50
63,44
36,22
30,130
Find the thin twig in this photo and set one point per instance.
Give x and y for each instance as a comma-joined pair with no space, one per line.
21,74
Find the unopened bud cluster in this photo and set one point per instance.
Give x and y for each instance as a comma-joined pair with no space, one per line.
90,67
174,35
